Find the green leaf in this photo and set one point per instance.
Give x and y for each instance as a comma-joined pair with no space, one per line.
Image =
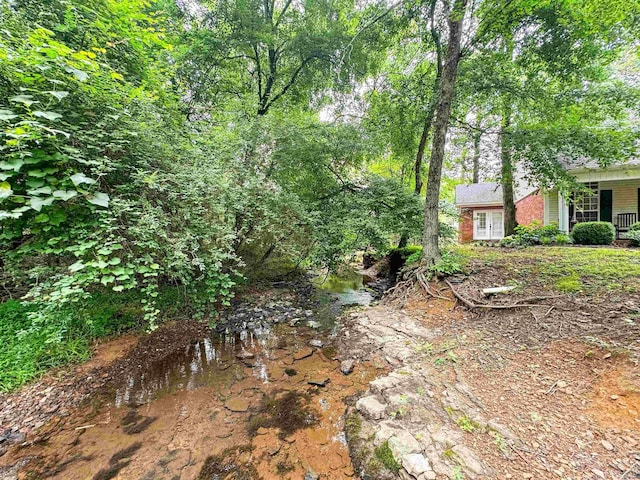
24,99
115,261
65,194
100,199
118,288
154,266
40,191
35,183
5,190
48,115
13,164
39,173
76,267
79,74
38,202
80,178
57,217
4,176
59,94
42,218
107,279
7,115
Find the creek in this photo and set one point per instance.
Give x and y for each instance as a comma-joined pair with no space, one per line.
260,396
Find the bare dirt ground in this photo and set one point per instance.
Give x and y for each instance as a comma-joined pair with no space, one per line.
551,391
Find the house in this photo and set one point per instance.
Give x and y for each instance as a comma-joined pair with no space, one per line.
615,198
481,210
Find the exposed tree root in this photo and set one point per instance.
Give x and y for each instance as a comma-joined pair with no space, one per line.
519,304
419,277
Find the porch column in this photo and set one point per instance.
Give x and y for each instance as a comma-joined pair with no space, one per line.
563,213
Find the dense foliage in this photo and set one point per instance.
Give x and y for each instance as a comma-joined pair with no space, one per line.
154,149
593,233
535,234
109,184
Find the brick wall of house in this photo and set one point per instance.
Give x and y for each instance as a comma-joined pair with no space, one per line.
465,226
530,208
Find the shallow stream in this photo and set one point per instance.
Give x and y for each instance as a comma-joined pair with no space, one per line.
262,397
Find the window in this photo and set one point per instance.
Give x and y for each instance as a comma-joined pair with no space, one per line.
482,221
587,204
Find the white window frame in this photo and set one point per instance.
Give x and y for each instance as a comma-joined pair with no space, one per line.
578,204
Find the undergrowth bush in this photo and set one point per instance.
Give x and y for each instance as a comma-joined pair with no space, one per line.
634,234
535,234
593,233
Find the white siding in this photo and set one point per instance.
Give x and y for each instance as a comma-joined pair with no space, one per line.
621,174
625,195
551,207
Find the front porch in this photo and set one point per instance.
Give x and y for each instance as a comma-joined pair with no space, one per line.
614,198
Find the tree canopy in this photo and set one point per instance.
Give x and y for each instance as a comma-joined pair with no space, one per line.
148,144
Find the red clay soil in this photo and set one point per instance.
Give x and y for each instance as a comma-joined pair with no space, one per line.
565,379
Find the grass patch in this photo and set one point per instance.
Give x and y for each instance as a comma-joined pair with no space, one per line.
29,347
566,269
466,424
569,284
384,454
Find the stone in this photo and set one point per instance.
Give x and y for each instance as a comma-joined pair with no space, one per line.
311,475
316,343
428,475
371,408
237,404
319,383
469,459
415,464
347,366
607,445
385,430
381,384
244,355
444,435
312,324
561,384
304,353
403,443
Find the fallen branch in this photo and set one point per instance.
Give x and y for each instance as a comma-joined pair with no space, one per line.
469,304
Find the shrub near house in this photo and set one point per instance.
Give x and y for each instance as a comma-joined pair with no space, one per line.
634,234
593,233
535,234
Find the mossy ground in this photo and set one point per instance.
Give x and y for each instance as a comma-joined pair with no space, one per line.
569,269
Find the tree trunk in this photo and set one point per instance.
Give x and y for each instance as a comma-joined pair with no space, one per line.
509,205
431,232
477,137
404,239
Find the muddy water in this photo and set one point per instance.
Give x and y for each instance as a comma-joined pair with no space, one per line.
246,403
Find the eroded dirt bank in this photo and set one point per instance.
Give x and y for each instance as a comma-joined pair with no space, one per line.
465,400
260,397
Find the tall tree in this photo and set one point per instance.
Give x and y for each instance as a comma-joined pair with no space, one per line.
431,234
258,53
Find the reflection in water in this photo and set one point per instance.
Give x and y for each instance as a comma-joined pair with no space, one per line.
211,360
346,287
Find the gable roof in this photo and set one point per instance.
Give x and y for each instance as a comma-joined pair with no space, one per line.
487,194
